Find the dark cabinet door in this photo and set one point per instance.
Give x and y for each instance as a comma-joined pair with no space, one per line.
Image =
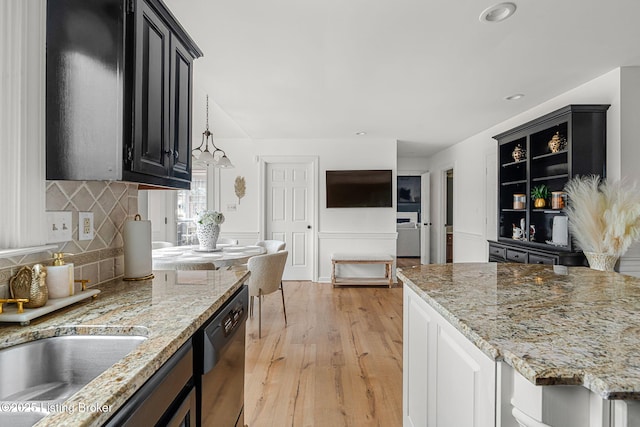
151,154
180,101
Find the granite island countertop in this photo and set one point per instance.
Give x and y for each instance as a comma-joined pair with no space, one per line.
167,310
552,324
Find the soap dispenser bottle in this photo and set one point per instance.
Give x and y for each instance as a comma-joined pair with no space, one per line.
60,277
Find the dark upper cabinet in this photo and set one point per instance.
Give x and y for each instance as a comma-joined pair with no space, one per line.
180,99
119,78
527,158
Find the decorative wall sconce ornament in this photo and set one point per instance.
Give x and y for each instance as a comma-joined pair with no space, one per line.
202,156
240,187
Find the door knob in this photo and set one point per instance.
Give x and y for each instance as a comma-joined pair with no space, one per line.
308,227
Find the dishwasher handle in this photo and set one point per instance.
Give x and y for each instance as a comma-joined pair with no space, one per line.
220,332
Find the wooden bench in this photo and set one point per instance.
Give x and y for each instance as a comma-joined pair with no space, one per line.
385,259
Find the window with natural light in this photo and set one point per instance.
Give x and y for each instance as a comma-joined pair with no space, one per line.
188,204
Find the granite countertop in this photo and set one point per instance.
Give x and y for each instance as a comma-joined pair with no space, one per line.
552,324
167,310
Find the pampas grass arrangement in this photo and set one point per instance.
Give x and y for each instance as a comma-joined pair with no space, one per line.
604,217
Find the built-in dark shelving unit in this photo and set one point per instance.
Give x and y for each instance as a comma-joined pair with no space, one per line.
584,128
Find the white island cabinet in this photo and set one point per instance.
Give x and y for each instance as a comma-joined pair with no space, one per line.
447,380
470,359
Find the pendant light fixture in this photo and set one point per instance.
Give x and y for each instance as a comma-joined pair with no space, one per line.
202,155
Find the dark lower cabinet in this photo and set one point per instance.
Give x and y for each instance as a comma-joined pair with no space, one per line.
506,252
168,398
119,82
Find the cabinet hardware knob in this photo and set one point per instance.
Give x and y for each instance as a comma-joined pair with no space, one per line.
176,154
168,153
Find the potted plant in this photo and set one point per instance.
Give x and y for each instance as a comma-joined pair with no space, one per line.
604,218
540,194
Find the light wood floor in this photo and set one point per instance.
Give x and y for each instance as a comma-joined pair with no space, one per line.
337,363
407,262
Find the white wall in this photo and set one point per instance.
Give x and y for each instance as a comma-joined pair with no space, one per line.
630,148
472,226
338,230
413,165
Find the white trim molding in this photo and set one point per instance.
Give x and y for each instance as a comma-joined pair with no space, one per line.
22,122
356,235
9,253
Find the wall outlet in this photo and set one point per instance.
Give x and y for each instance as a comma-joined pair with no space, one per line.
85,225
59,228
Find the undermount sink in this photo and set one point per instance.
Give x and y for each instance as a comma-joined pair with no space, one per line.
48,371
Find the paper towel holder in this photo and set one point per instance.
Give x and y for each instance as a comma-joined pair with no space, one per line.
138,217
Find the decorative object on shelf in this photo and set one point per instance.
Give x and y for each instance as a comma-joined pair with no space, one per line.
204,156
519,153
557,199
519,201
29,283
208,229
560,231
517,233
540,194
604,218
557,143
532,233
240,187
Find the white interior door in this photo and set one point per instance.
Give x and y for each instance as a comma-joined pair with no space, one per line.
289,214
425,223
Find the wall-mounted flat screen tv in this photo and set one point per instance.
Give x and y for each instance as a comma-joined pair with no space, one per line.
359,189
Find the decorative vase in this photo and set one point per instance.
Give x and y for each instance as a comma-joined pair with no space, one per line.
602,262
29,283
208,236
519,153
539,203
557,143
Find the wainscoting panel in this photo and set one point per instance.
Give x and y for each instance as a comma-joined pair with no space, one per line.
354,243
244,237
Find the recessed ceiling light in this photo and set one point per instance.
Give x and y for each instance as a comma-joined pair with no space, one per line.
361,133
498,12
514,97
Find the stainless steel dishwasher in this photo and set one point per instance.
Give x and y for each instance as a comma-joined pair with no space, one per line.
220,368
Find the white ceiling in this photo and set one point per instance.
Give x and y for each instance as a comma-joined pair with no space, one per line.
427,73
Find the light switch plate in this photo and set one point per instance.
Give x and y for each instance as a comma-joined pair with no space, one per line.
85,225
59,226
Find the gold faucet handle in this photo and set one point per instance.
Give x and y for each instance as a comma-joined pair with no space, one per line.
18,301
84,283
